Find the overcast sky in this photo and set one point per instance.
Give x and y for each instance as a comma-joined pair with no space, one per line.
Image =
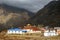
31,5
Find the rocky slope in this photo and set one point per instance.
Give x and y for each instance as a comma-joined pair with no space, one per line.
49,15
13,16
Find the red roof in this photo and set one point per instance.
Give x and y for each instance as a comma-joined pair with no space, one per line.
31,27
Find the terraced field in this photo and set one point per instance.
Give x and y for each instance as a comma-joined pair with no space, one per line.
36,36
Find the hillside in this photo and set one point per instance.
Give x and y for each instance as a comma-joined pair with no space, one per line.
13,16
48,16
28,36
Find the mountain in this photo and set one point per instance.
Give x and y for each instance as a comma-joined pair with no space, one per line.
12,16
48,16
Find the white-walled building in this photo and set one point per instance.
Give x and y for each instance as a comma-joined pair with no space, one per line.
50,33
31,31
16,31
58,29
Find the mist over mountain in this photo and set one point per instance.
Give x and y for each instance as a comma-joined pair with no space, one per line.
12,16
48,16
31,5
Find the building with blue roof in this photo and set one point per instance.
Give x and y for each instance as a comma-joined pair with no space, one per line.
16,31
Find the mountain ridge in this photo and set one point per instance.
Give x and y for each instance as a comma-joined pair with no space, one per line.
48,16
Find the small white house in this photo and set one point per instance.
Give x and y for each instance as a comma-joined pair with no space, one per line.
58,29
50,33
16,31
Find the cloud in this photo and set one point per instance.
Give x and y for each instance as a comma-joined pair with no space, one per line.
31,5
